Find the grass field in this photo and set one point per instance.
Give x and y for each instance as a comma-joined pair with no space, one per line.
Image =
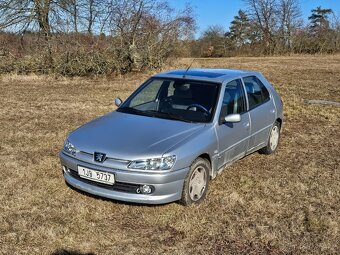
288,202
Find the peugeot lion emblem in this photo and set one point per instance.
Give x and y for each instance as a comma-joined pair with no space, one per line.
99,157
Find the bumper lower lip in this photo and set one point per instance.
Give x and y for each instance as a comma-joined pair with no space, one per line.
168,186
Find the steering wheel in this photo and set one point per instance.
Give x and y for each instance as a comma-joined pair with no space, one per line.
165,103
205,111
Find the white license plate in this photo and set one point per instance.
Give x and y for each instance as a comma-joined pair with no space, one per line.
97,176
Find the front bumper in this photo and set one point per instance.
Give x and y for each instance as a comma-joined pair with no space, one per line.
167,186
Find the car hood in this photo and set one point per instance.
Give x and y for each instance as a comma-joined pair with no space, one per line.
129,136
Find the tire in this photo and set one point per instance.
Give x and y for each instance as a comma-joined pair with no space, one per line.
273,140
196,183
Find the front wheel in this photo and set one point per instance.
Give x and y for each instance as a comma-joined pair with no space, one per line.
196,183
273,140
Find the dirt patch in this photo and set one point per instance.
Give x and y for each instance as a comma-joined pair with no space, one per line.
322,102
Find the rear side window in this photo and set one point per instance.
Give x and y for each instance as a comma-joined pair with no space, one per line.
257,93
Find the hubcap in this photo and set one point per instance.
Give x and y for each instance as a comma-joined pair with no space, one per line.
274,138
197,183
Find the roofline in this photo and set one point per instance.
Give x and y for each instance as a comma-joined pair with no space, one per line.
234,74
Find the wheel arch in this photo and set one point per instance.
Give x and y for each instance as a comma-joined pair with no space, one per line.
207,157
279,120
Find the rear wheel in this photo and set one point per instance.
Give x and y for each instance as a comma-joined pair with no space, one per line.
273,140
196,183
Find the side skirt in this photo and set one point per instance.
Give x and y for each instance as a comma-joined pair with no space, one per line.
229,163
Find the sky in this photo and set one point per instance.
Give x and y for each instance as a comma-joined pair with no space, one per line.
222,12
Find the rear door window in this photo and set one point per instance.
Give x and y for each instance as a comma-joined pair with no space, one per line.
257,93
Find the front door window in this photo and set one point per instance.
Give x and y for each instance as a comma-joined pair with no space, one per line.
233,99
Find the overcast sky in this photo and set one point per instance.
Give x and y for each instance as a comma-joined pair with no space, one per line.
221,12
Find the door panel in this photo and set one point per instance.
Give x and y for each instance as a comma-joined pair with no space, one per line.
262,119
233,139
261,110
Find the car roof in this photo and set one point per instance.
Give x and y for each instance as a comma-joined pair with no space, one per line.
206,74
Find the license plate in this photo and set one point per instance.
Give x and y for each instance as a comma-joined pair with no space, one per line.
97,176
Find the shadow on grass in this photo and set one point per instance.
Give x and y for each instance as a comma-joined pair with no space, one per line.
70,252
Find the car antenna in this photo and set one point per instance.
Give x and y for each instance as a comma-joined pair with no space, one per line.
188,67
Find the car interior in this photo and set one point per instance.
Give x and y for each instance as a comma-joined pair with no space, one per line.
257,93
192,100
195,100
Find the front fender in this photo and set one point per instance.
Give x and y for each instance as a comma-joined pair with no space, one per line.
202,142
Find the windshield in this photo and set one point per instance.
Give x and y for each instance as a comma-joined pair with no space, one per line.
178,99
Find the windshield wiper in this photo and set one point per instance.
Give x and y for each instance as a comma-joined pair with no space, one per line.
153,113
131,110
168,115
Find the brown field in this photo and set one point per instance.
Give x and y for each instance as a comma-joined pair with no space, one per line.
288,202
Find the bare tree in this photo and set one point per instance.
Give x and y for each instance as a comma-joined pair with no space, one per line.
73,6
84,15
213,42
91,13
335,25
91,17
143,27
289,18
20,15
263,12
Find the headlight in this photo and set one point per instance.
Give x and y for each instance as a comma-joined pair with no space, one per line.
69,148
164,163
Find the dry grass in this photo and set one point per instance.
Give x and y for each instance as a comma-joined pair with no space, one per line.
288,202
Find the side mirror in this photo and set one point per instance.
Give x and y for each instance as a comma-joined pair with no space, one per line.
232,118
118,101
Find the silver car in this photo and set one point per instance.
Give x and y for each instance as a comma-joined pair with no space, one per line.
174,134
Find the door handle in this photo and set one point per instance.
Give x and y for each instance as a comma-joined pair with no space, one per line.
272,110
246,125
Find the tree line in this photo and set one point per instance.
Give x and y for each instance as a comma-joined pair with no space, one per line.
80,37
272,27
85,37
